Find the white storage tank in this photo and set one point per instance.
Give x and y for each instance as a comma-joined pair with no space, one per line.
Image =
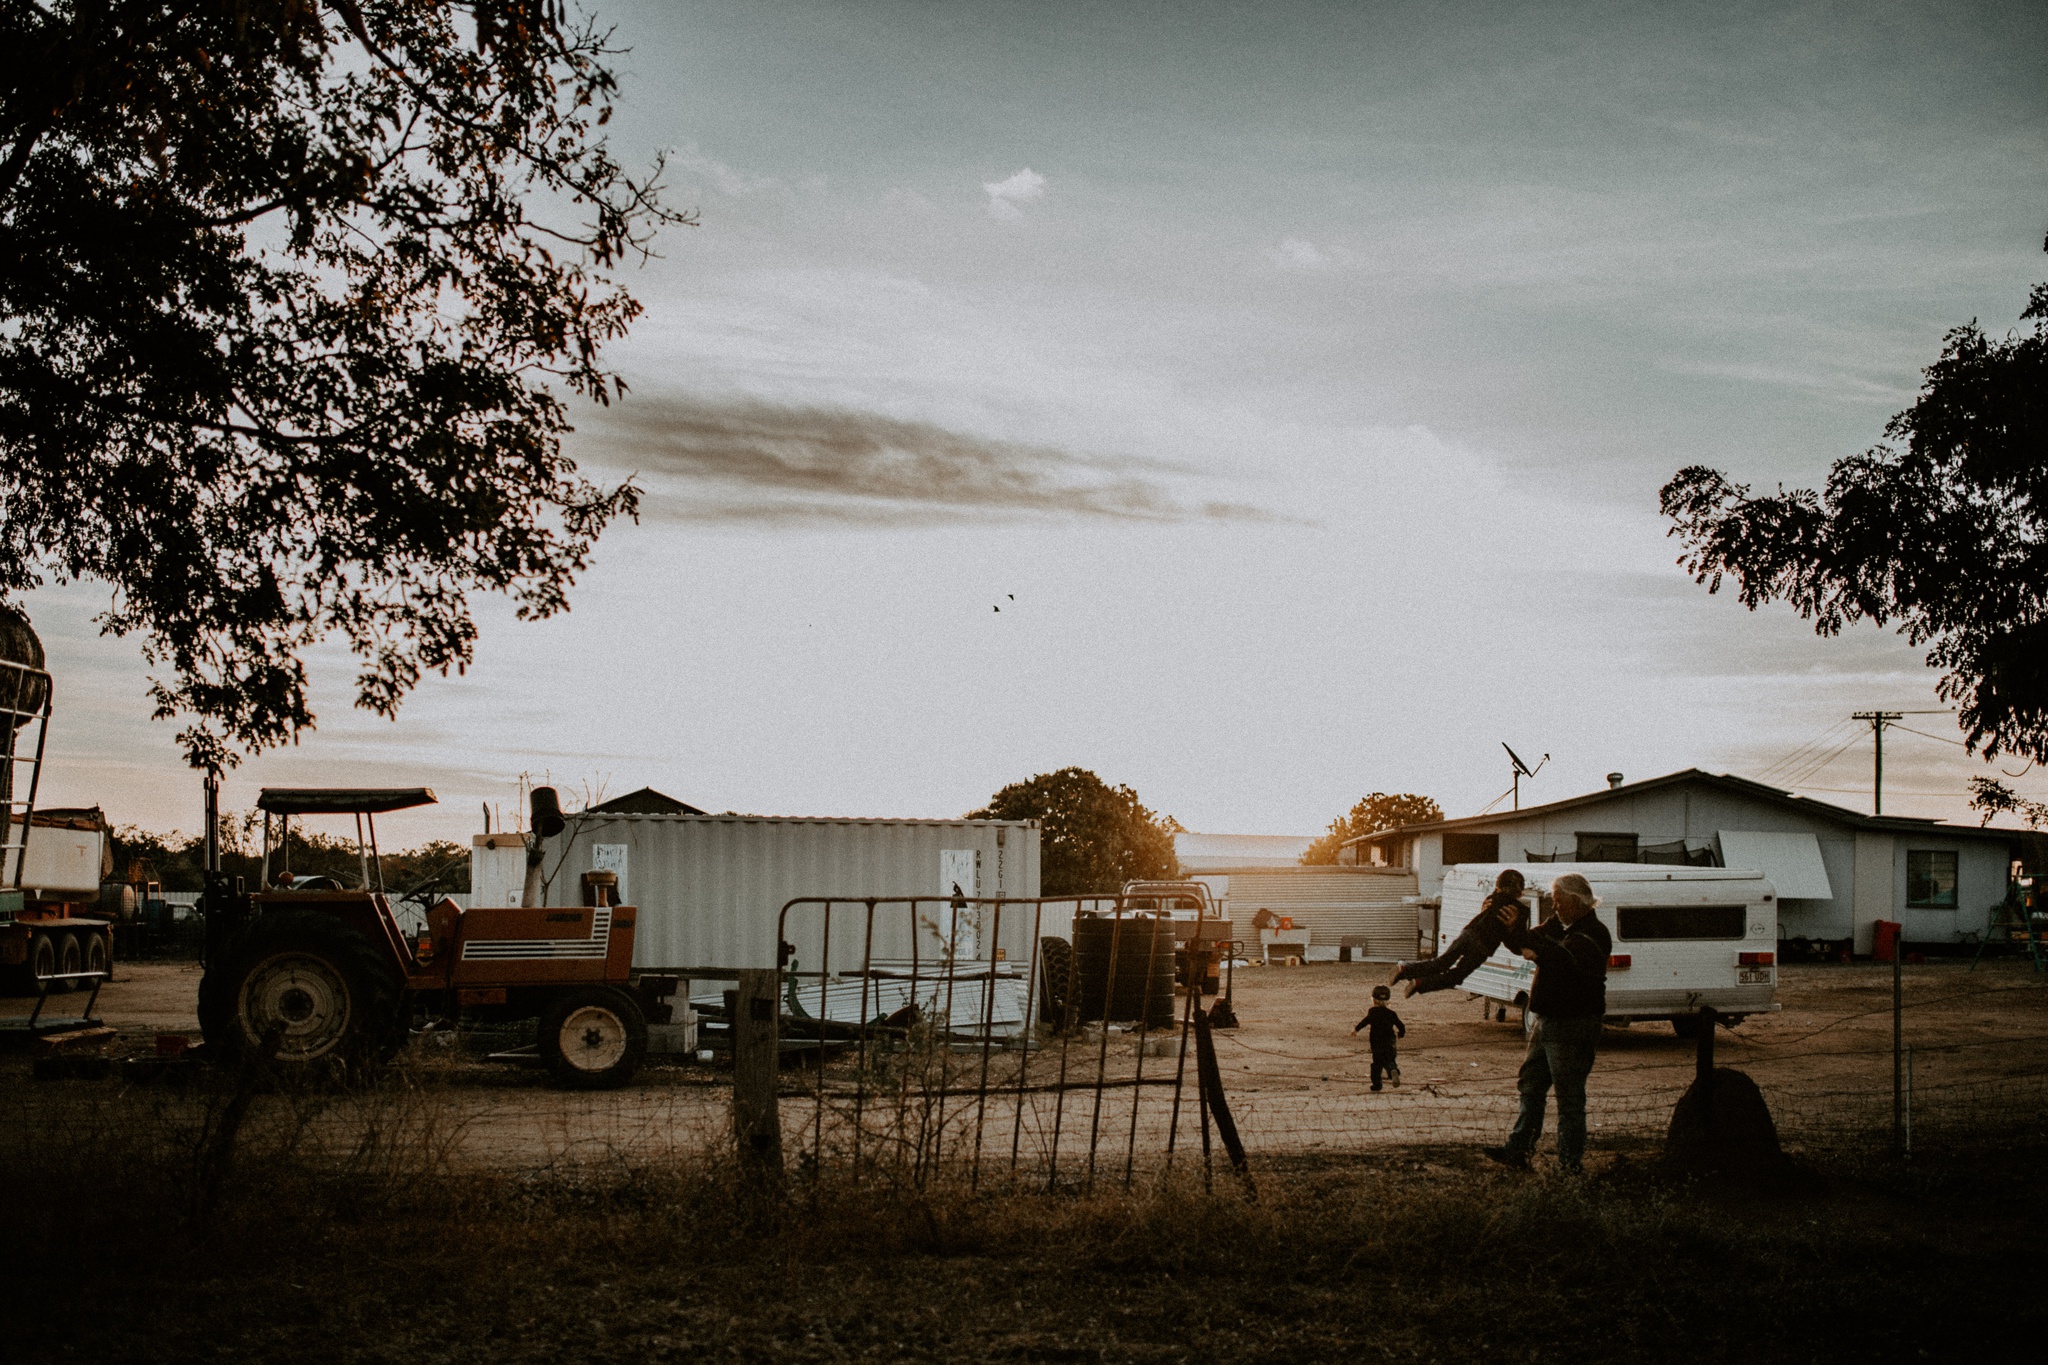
709,888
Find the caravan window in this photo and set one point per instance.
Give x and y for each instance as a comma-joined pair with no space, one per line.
1638,923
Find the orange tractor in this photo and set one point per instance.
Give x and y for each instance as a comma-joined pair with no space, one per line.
322,971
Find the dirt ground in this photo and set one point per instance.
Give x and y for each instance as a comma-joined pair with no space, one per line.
1297,1075
481,1217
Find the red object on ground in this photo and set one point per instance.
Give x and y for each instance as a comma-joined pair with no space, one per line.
1884,944
172,1044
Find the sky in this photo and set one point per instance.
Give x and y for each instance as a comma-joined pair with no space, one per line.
1258,404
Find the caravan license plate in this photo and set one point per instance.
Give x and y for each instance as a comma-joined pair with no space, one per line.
1753,976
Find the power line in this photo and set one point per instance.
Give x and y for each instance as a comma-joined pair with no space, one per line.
1823,761
1942,739
1786,762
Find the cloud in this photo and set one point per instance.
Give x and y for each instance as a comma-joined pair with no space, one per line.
1296,254
693,161
747,460
1005,196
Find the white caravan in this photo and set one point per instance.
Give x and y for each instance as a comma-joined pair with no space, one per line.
1684,937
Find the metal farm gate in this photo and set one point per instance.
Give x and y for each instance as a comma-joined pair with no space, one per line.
929,1045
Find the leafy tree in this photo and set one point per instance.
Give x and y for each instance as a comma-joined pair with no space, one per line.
1094,837
296,293
177,861
1948,536
1381,810
1991,798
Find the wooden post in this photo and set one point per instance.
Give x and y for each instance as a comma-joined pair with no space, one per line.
756,1124
1899,1042
1703,1066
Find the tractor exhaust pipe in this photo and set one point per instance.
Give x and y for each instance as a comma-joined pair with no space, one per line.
546,823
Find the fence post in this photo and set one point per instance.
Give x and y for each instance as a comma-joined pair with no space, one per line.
1909,1103
756,1124
1898,1046
1703,1063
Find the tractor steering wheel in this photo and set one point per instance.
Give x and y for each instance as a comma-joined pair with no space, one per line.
317,884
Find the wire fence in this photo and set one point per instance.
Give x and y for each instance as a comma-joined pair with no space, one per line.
1051,1043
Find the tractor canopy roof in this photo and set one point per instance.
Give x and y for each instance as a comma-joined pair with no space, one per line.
342,800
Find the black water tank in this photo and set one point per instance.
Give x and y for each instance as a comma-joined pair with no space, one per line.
1138,985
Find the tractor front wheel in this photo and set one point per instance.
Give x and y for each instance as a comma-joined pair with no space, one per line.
319,985
593,1038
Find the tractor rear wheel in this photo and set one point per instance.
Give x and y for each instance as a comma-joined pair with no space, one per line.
322,987
593,1038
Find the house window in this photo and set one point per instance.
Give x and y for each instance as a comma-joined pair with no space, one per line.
1606,848
1930,880
1471,848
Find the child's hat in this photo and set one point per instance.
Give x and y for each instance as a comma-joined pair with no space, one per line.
1382,993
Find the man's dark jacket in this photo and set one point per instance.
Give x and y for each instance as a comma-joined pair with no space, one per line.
1571,966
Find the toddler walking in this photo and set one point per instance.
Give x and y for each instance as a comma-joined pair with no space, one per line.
1382,1027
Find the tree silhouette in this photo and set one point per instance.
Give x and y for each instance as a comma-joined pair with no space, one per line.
1381,810
295,294
1094,837
1948,536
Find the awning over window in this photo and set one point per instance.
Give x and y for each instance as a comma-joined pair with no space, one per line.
1791,861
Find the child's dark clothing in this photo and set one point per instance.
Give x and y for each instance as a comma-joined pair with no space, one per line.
1474,944
1382,1026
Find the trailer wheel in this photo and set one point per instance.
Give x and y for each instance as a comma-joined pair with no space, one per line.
1055,972
42,961
593,1039
94,955
1686,1025
68,959
320,984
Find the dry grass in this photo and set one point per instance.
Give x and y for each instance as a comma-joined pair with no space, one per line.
334,1227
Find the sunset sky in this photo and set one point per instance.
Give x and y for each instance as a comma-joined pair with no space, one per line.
1297,379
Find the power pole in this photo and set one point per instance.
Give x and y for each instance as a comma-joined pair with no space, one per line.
1878,720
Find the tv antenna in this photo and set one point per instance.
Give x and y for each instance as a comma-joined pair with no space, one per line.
1522,770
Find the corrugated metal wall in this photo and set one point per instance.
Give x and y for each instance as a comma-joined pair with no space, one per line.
1331,902
710,887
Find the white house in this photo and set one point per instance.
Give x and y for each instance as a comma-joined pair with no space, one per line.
1220,852
1837,871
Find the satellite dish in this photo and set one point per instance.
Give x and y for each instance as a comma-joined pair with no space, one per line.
1520,767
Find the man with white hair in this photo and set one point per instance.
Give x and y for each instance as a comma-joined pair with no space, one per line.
1567,1000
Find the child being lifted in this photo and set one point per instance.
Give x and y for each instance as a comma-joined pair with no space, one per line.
1473,945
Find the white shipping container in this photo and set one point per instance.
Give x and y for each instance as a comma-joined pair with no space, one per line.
709,888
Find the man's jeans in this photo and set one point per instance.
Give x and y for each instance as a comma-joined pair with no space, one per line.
1560,1054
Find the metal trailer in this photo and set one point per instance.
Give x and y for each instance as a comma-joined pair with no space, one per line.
51,863
1684,938
711,887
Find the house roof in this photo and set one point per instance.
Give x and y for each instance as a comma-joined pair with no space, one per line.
646,801
1740,786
